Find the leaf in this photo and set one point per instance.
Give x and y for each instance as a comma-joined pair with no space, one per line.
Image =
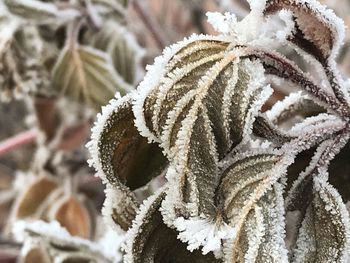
35,194
237,194
74,216
324,234
264,128
120,206
295,104
119,152
317,30
250,199
40,11
36,254
87,75
262,234
199,110
59,243
125,52
150,240
123,158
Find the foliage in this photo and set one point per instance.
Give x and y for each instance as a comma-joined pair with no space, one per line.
227,162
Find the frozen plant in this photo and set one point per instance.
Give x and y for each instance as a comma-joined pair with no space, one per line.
233,170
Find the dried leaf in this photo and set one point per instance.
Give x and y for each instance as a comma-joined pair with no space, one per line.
87,75
34,196
74,216
150,240
36,254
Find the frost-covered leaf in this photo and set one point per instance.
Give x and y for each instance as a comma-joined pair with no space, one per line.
294,105
21,69
261,236
120,206
119,152
123,158
40,11
264,128
250,199
125,52
87,75
317,30
59,244
246,180
201,108
325,233
150,240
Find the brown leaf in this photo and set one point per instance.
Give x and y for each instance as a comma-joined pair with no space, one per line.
36,254
34,196
74,216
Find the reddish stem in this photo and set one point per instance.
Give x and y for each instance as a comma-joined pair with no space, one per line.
17,141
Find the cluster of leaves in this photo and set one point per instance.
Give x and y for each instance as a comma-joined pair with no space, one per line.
233,172
67,47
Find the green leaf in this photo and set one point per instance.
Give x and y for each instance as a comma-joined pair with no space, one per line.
87,75
324,234
150,240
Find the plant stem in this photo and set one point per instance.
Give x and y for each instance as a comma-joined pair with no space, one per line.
17,141
149,24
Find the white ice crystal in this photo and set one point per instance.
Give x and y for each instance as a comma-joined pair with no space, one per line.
111,243
244,31
199,232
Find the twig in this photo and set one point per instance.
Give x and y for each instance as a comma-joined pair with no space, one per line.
17,141
149,24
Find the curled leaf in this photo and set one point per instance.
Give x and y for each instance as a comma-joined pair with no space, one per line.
119,152
317,30
123,158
